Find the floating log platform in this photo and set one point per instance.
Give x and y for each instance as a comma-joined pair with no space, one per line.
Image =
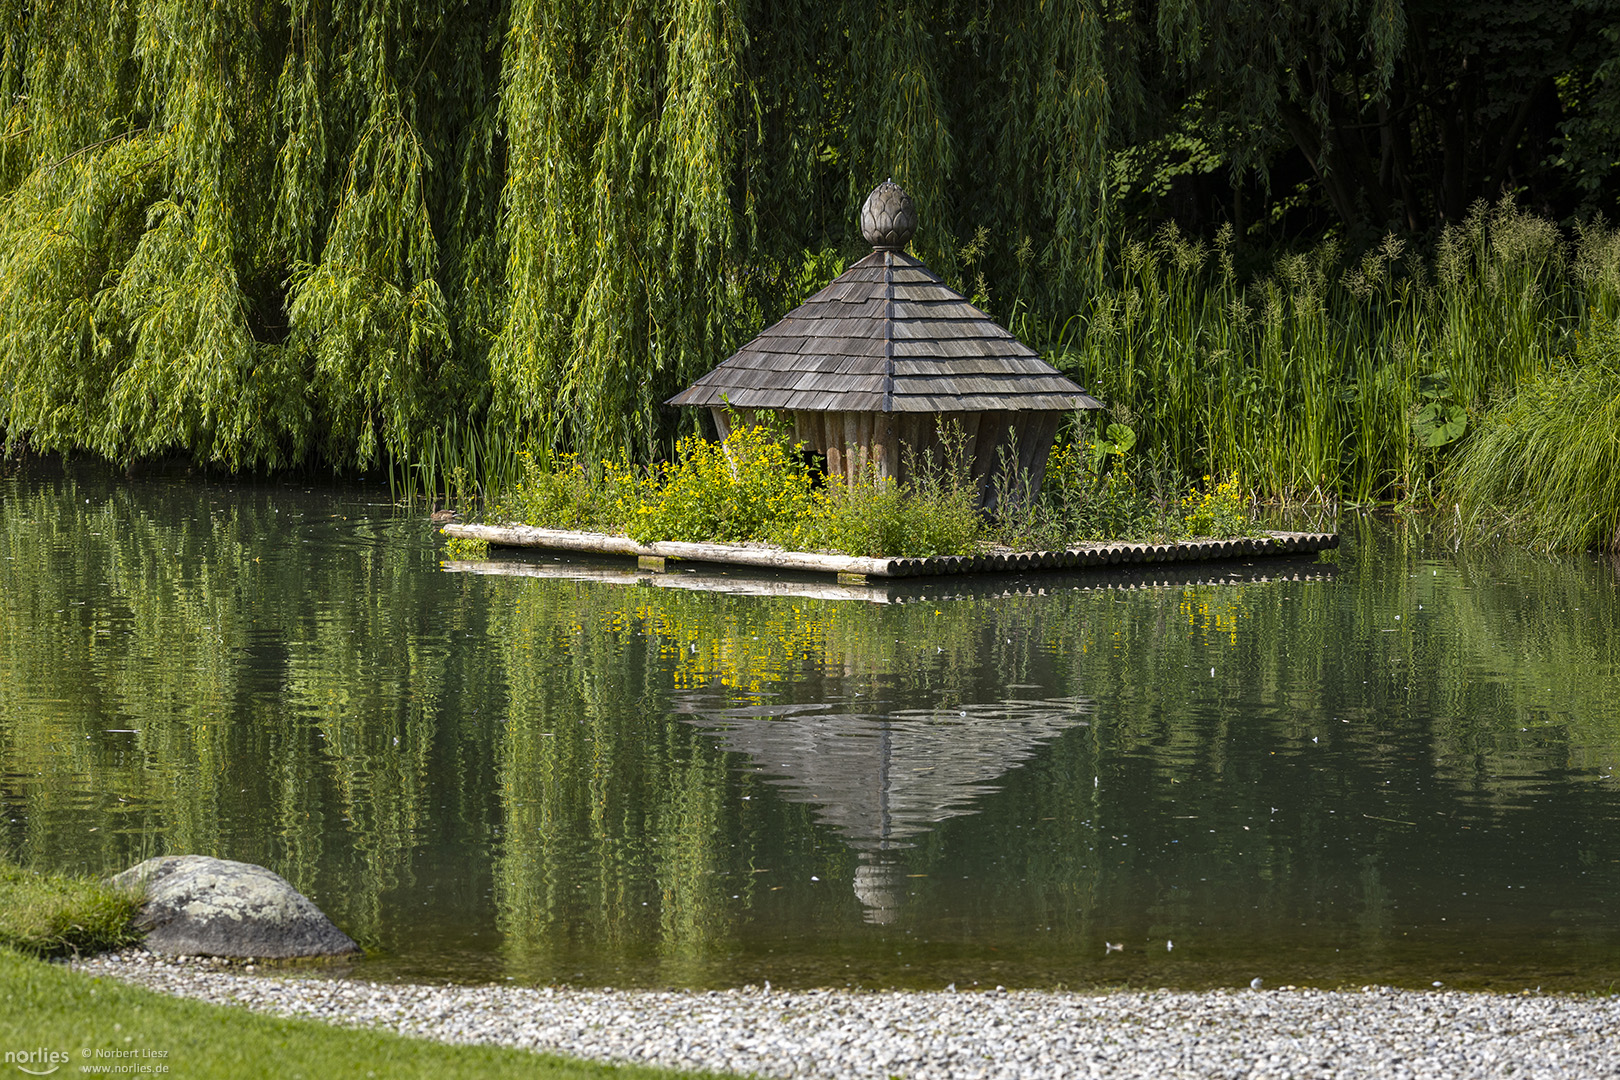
711,579
854,569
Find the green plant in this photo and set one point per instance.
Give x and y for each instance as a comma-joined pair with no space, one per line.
1326,377
459,464
52,914
1541,470
1089,494
756,488
752,486
572,496
1220,510
880,516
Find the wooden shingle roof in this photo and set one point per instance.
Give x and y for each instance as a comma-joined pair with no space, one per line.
886,336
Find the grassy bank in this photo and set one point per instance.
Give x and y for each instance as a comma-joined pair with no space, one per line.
57,914
50,1009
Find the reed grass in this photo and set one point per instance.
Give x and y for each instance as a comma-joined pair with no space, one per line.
1329,378
460,464
1542,470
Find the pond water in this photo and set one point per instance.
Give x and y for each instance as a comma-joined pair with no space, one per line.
1394,766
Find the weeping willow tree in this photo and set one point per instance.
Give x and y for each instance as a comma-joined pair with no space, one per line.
266,232
256,233
680,171
272,232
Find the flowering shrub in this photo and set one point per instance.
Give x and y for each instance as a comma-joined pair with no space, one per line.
1219,510
753,486
756,487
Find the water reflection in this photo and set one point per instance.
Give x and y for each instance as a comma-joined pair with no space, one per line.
880,780
1404,771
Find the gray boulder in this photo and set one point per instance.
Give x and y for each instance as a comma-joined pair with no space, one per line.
201,906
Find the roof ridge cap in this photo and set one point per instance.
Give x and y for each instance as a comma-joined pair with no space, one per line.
888,331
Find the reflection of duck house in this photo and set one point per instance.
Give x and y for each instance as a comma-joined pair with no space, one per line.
880,780
873,363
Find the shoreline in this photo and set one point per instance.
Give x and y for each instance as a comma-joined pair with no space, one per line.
1372,1032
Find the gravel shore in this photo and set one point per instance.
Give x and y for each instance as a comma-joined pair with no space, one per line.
1374,1032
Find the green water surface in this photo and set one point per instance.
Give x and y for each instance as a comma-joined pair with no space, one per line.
1394,767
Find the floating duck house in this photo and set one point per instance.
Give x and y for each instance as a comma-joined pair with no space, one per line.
877,365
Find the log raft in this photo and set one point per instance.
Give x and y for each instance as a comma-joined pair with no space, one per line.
853,569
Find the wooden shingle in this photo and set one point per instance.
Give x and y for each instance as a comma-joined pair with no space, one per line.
887,335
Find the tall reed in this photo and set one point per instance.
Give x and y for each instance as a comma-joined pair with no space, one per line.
461,463
1543,467
1330,378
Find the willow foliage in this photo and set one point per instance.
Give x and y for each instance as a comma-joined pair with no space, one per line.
247,231
680,171
265,232
270,231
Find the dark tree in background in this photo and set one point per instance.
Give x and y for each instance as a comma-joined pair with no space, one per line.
1389,115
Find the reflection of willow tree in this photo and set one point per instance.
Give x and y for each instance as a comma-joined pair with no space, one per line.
149,654
364,703
1167,747
267,680
620,820
1159,814
273,702
1443,695
615,821
1539,631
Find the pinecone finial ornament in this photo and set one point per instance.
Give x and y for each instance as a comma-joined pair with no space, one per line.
889,218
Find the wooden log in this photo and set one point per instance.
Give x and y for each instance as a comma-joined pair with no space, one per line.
735,554
655,556
739,584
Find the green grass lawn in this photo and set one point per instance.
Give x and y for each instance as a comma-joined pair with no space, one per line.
58,1022
44,1006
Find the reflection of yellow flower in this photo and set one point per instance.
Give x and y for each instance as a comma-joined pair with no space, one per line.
1211,612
